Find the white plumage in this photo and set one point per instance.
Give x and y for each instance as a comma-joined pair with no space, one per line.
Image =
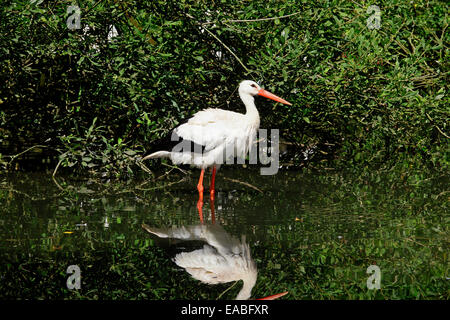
223,259
219,135
223,134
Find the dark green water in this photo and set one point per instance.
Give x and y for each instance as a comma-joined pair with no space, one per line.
313,235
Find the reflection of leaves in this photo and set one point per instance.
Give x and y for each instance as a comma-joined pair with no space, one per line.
350,221
36,2
85,190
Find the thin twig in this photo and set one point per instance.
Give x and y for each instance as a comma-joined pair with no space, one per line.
32,198
144,167
161,187
57,166
91,8
264,19
244,183
175,167
21,153
357,3
220,295
57,184
439,129
144,183
203,26
226,47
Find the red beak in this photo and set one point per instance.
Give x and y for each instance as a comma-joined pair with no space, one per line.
270,95
275,296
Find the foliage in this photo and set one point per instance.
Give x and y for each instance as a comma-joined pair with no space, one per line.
361,97
94,152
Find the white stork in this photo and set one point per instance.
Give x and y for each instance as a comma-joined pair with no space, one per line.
217,135
223,259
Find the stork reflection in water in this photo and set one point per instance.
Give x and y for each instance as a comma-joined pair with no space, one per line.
222,259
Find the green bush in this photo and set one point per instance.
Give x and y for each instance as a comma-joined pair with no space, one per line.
362,97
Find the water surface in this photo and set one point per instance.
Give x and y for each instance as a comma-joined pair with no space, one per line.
313,235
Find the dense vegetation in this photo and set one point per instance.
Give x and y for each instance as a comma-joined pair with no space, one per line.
95,98
361,96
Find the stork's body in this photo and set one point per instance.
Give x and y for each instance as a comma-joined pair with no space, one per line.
217,135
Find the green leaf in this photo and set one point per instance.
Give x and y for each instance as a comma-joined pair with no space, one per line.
130,152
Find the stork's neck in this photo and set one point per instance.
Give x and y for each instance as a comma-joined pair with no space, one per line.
247,287
250,107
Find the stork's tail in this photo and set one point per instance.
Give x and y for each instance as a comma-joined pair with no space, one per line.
158,154
159,232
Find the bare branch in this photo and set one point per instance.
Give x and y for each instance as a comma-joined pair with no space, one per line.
226,47
203,26
245,184
264,19
439,129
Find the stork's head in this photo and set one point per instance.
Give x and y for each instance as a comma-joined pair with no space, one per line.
249,87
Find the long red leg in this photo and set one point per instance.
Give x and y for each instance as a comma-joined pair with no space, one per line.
200,185
200,210
200,195
275,296
213,180
213,214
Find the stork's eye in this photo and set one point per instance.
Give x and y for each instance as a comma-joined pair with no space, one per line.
253,85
